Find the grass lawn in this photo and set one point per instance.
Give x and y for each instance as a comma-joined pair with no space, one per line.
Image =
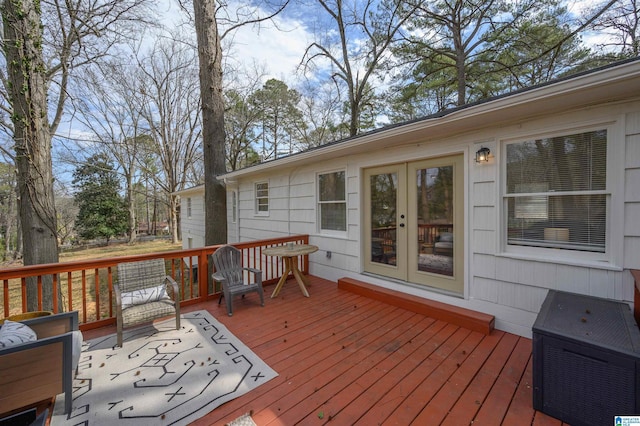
120,249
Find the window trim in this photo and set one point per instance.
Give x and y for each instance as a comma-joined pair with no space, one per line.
611,258
256,206
334,232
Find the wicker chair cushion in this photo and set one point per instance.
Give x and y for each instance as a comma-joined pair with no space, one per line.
14,333
144,295
149,311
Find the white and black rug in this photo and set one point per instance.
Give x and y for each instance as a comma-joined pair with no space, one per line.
161,376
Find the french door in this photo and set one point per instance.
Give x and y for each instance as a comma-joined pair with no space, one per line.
413,222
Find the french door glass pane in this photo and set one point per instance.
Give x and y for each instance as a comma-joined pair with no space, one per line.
435,220
384,192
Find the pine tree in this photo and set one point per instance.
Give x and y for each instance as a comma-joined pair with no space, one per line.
102,210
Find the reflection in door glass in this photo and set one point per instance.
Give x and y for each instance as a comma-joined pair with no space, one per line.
435,220
384,189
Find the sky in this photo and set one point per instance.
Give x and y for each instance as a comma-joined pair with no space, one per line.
279,46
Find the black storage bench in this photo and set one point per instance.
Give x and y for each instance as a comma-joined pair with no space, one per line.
586,359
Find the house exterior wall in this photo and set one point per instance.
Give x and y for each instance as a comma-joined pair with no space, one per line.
192,225
510,286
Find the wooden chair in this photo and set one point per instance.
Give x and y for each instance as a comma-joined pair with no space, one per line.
230,273
143,293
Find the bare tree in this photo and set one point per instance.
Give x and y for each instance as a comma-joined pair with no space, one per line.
67,212
8,208
28,97
209,40
109,105
43,43
171,108
360,35
240,117
620,25
213,136
320,106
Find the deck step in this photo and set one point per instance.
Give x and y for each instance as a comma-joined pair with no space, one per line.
467,318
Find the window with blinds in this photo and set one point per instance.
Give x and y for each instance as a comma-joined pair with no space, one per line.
556,192
332,202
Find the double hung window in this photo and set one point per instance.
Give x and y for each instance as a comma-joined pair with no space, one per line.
556,192
332,202
262,198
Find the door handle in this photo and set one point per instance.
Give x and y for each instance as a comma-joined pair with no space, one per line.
402,225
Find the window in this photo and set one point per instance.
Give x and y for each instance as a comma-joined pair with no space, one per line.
262,198
556,194
234,206
189,207
332,203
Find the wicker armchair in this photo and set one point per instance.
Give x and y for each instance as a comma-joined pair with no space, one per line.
143,293
230,273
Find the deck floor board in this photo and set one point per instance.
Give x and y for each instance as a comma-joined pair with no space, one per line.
346,359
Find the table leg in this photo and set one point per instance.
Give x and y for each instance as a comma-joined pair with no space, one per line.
299,277
283,278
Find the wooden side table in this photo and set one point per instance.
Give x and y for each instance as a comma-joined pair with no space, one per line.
289,255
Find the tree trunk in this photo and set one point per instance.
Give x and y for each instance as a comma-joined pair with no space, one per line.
28,96
131,204
173,218
213,135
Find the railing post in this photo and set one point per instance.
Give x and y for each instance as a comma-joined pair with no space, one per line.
305,269
203,275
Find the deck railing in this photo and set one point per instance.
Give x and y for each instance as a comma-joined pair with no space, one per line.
87,286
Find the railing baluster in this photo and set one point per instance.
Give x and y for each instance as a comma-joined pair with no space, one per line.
76,278
96,284
84,295
24,294
5,286
39,286
55,293
110,286
70,290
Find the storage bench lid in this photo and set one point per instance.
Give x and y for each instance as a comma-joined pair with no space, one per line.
607,323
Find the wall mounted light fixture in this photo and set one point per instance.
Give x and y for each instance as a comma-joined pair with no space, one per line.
482,155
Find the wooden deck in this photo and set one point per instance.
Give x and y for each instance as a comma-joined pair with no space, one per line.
347,359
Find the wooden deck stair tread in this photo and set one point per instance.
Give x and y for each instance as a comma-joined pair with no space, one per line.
467,318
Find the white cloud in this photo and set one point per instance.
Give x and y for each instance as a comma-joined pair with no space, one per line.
278,47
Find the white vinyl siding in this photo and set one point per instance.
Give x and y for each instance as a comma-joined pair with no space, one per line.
192,223
509,284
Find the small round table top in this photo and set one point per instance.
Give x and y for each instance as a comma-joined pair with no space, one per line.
293,250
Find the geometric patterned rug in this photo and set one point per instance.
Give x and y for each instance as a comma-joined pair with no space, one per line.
161,376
